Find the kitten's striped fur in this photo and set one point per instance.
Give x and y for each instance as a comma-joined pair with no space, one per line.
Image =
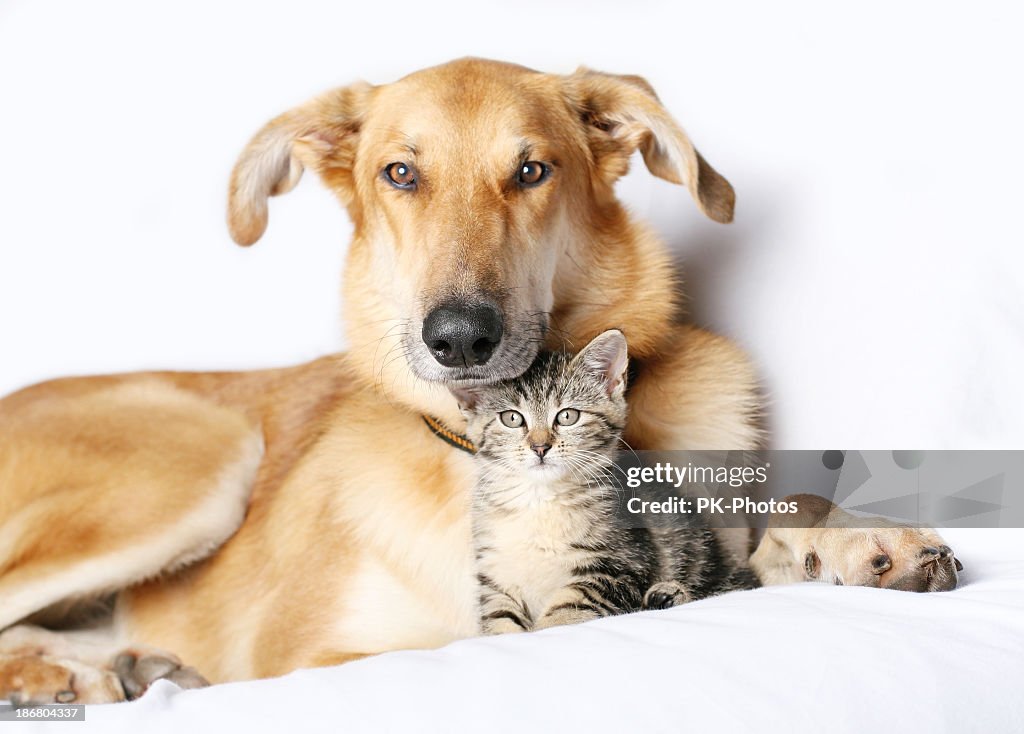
550,548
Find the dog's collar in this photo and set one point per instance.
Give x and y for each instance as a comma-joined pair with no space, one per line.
449,436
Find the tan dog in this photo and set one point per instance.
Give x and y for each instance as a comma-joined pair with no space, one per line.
260,522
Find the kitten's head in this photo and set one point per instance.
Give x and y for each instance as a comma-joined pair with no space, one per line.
564,413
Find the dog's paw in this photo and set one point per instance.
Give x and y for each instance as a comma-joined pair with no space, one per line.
138,671
823,542
29,680
665,594
902,558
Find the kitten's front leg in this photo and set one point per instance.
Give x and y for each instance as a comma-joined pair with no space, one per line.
571,606
501,624
500,611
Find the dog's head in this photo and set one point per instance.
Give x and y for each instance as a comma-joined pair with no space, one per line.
478,191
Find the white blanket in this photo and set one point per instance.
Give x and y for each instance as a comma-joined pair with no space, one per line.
801,658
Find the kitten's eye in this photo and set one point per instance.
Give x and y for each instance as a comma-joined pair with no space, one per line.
512,419
567,417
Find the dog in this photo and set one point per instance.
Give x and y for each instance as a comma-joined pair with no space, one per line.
243,525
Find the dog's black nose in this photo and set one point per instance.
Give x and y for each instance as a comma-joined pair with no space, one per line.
461,335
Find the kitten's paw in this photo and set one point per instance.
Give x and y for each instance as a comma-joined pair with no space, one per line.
566,614
665,594
501,626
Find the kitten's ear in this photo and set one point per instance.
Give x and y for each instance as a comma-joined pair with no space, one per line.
467,397
606,355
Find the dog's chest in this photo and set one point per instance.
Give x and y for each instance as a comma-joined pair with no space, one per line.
412,580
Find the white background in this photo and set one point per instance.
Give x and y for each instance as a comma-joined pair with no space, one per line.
874,269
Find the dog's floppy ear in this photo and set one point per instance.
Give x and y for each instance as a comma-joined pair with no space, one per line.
320,134
623,114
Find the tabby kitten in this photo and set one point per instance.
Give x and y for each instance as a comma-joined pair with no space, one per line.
550,548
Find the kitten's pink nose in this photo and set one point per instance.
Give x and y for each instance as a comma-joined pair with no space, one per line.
540,448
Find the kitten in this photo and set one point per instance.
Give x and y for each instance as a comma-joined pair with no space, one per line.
550,548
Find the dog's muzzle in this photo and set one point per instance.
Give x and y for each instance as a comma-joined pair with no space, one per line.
463,334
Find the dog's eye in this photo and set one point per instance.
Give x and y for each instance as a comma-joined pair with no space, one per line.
532,173
512,419
567,416
401,175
